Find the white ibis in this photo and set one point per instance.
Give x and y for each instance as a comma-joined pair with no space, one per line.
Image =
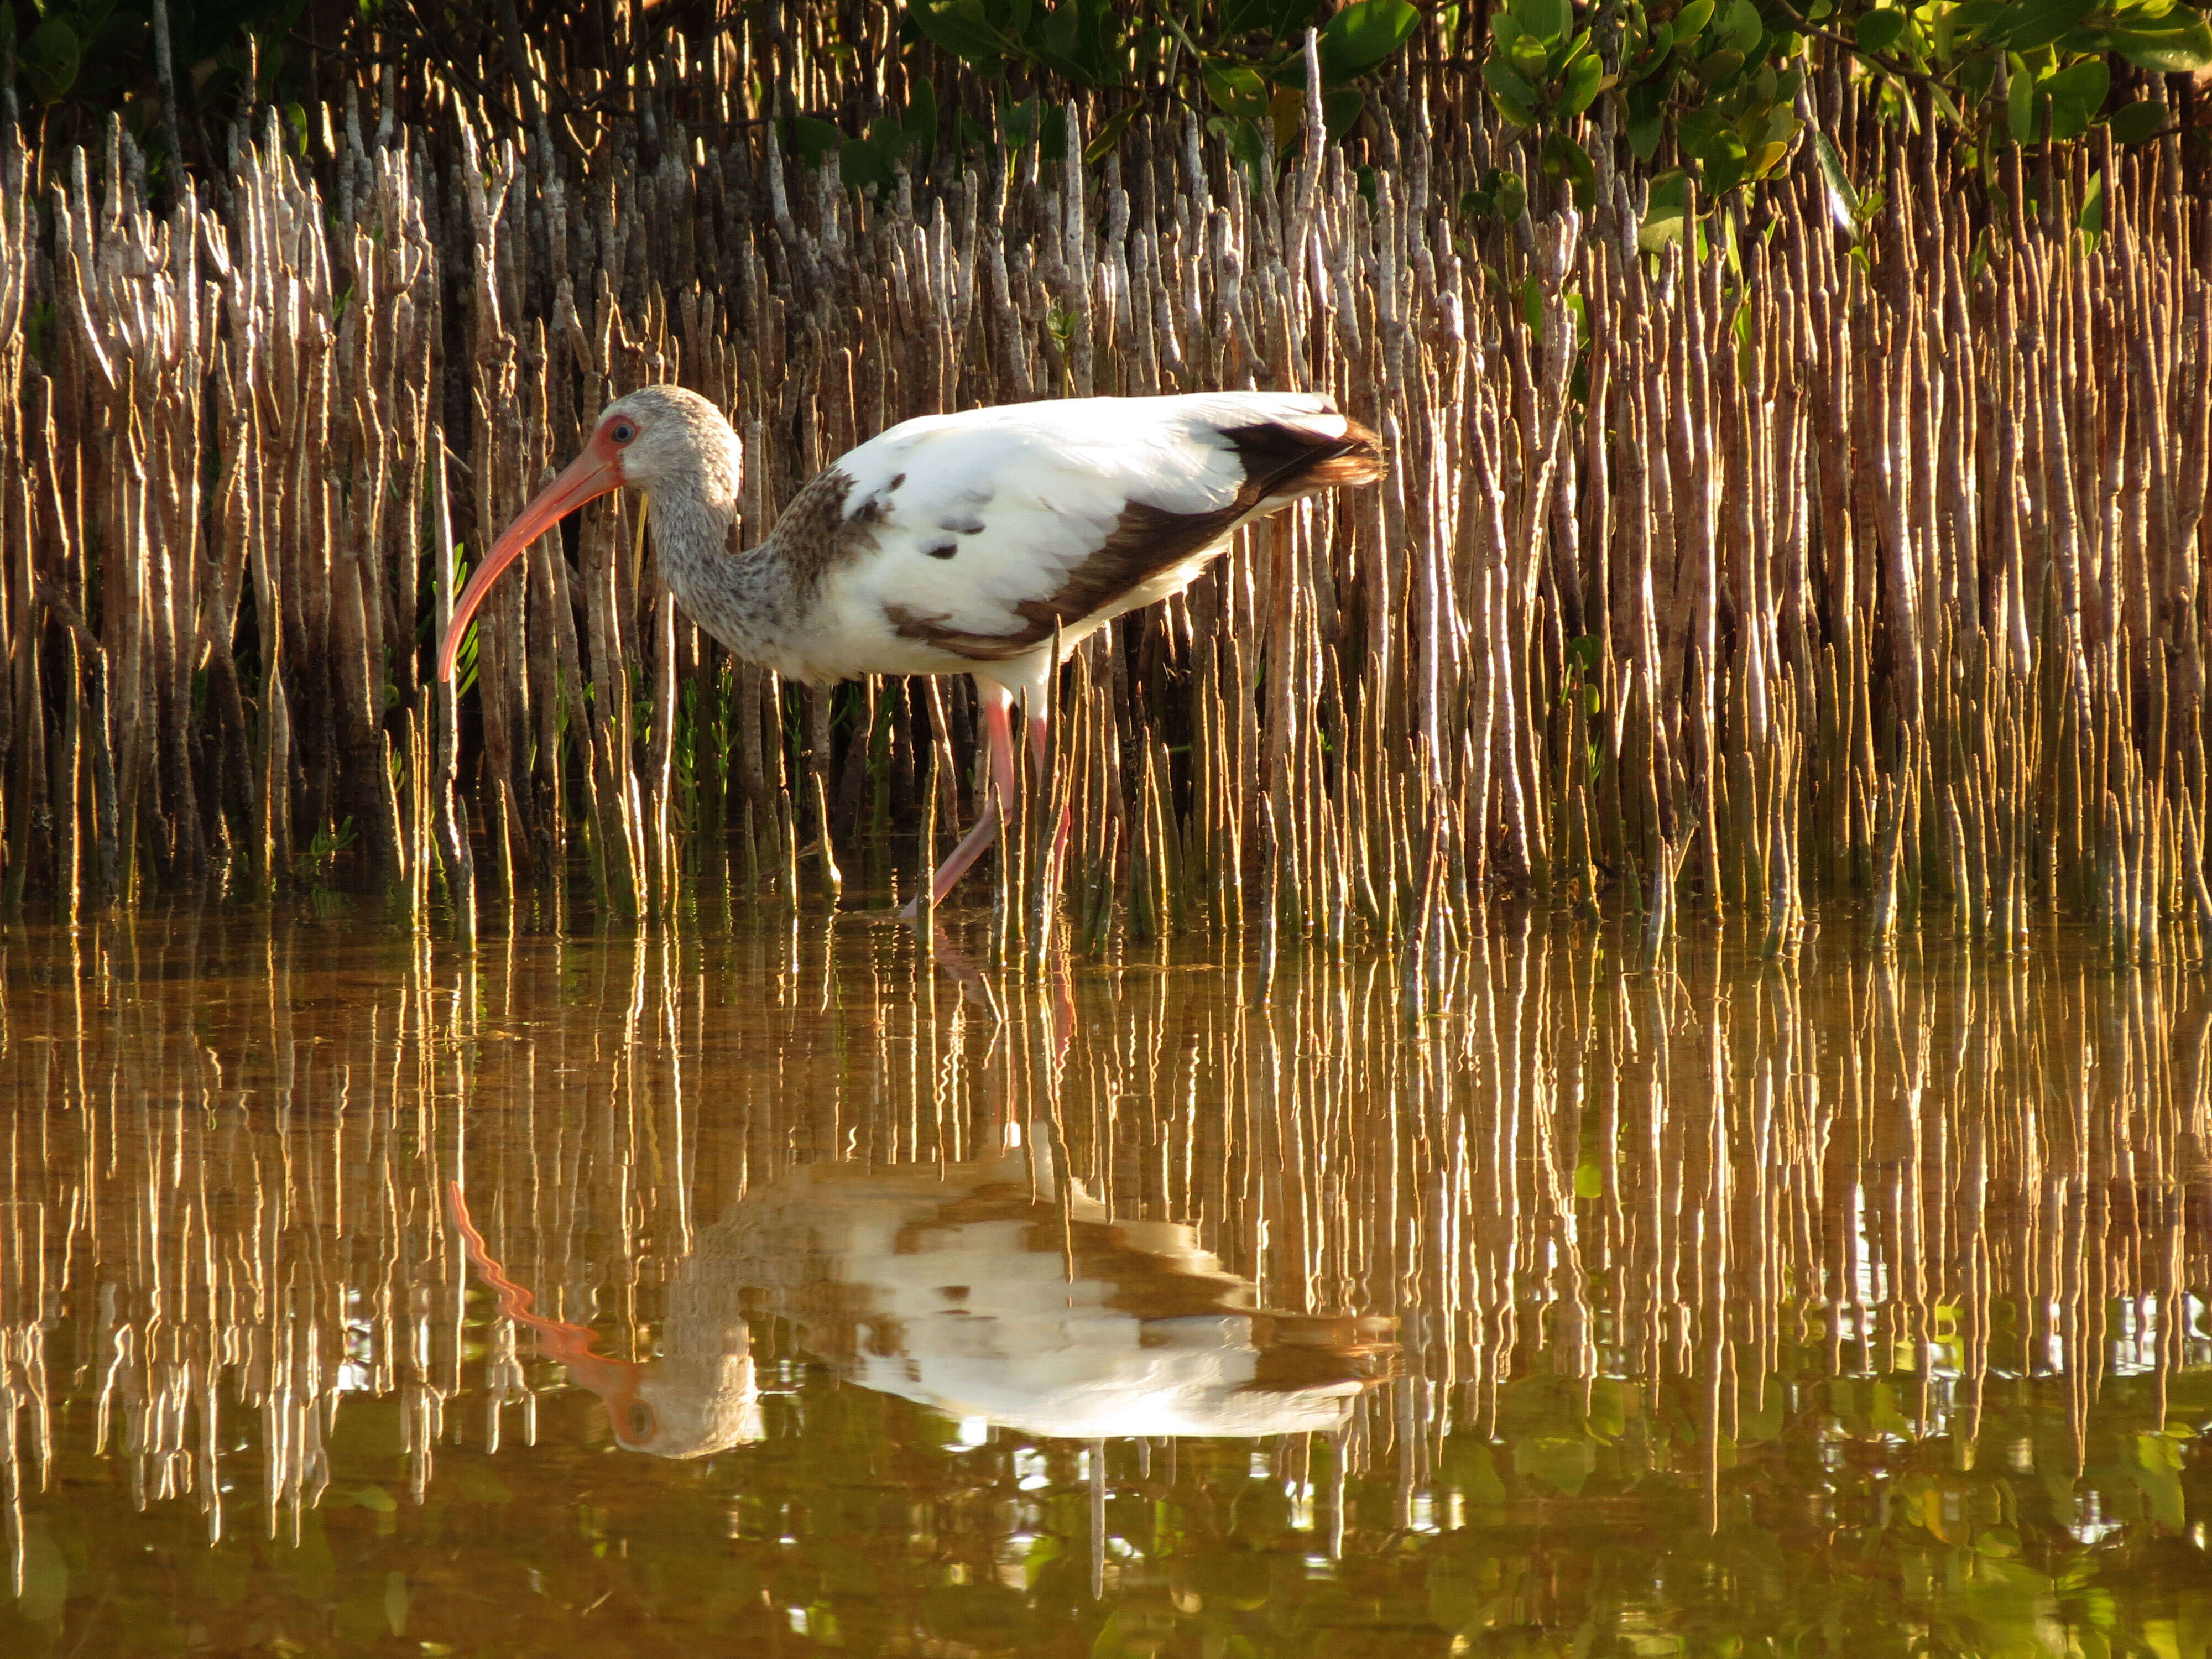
951,543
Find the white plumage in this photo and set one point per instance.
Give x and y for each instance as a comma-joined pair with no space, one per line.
991,509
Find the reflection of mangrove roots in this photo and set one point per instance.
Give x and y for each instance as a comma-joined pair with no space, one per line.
1654,1240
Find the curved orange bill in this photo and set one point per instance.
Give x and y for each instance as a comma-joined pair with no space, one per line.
572,1346
596,472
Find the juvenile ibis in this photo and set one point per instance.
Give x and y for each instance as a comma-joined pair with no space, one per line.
951,543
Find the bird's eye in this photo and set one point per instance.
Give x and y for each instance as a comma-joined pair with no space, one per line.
622,432
641,1420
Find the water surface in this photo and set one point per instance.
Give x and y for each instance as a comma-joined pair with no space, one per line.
822,1297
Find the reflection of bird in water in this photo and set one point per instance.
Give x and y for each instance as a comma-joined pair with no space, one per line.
984,1289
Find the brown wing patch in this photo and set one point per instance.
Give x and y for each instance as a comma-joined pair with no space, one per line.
1144,542
1281,464
816,535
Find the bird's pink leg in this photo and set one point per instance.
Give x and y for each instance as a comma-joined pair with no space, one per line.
997,703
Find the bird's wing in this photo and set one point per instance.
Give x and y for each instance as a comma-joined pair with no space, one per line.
983,531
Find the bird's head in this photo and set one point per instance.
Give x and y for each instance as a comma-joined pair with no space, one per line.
699,1398
659,437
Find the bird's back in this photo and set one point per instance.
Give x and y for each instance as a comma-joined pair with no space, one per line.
1179,455
964,540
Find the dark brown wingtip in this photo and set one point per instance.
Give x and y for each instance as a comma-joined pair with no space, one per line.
1283,461
1361,461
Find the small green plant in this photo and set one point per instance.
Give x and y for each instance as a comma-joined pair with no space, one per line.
1582,687
464,658
322,853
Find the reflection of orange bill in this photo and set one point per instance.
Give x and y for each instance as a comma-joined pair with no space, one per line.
615,1380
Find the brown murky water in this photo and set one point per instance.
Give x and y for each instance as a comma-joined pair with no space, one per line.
1851,1308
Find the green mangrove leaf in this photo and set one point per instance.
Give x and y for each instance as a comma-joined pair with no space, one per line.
1663,211
1101,144
1691,20
2180,42
1513,111
2036,23
1505,83
1974,20
962,27
1340,108
1718,66
1585,82
814,139
920,122
1647,119
50,57
1500,195
1237,91
1564,159
1361,35
860,162
1878,30
1244,143
1722,163
2019,106
1741,26
2136,122
1052,33
2091,219
1510,195
1549,21
2076,94
1530,60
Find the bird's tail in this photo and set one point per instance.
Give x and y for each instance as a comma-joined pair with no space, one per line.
1298,455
